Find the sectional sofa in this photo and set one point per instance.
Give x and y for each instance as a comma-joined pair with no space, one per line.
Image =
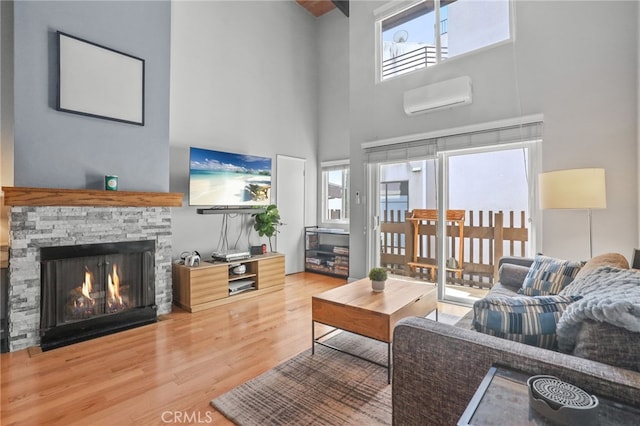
438,367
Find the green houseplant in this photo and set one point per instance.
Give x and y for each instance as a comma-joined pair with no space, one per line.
267,222
378,276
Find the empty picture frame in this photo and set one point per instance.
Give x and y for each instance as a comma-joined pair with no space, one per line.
100,82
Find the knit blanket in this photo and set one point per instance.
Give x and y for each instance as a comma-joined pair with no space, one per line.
609,294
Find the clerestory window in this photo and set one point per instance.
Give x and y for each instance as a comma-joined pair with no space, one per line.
427,32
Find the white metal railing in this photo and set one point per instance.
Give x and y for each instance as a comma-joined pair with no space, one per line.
413,60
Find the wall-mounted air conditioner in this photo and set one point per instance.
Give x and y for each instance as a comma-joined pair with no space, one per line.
445,94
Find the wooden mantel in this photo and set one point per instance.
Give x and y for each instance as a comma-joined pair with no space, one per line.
20,196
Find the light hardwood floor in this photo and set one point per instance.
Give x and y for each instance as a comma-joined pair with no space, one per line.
167,372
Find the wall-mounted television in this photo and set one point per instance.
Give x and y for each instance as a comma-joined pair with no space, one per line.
226,179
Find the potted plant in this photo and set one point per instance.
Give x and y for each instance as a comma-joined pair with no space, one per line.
267,222
378,276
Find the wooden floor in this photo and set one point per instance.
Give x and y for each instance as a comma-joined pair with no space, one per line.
167,372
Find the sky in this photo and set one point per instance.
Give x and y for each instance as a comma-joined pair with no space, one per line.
205,159
420,30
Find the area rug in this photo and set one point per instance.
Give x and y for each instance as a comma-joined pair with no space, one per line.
327,388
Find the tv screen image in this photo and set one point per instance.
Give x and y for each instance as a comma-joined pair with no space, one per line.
218,178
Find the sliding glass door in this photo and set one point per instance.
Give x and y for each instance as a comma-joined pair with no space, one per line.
403,188
483,194
490,190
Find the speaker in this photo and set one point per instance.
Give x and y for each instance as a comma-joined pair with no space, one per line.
254,250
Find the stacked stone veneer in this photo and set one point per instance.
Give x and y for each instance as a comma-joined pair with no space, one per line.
34,227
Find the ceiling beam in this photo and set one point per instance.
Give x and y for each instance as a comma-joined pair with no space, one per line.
317,7
343,5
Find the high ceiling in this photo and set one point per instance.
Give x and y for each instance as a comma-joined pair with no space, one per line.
320,7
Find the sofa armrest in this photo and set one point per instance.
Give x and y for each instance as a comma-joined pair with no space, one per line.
512,276
515,260
438,367
512,271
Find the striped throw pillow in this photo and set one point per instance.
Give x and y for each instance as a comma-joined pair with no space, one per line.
529,320
548,276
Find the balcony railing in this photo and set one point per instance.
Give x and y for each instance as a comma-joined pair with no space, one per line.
487,236
413,60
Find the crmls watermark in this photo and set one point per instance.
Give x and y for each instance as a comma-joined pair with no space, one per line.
193,417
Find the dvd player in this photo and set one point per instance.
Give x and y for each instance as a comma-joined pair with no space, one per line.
230,256
239,286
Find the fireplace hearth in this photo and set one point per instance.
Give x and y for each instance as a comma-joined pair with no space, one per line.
90,290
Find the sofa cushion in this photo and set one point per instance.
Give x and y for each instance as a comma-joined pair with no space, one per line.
499,290
529,320
606,343
549,276
610,300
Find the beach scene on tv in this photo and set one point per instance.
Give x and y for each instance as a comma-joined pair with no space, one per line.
219,178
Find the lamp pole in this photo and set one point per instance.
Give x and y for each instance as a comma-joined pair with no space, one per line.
590,236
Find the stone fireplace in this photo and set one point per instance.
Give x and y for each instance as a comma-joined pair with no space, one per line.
89,229
89,290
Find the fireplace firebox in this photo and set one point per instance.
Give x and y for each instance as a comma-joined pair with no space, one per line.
91,290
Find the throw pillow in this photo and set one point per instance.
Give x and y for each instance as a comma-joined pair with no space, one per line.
608,259
512,275
529,320
548,276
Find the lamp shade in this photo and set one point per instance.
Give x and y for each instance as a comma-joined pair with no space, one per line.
573,189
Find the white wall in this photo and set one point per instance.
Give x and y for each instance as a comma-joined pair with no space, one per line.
243,79
582,78
333,92
333,83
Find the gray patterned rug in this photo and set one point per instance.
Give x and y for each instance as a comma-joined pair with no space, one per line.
328,388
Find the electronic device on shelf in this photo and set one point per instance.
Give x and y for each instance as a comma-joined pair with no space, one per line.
230,256
238,269
193,260
190,259
239,286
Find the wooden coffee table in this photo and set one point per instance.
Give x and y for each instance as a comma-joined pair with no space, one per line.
354,307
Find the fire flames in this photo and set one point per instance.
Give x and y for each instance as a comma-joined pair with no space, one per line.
86,286
87,300
113,285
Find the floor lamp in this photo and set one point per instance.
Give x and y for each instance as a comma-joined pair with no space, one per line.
574,189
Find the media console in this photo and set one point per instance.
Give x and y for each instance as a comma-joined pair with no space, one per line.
214,283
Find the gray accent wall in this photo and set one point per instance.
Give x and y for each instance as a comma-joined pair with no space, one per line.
6,112
575,62
56,149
